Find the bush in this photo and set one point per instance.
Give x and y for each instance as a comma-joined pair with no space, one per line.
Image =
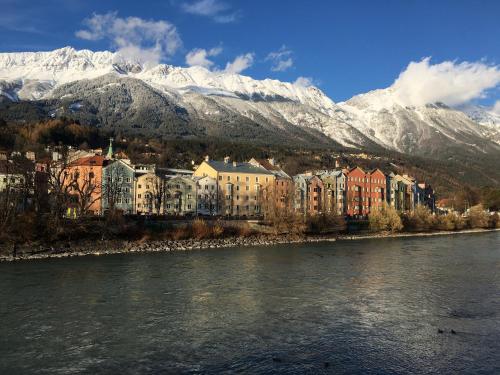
450,221
420,219
218,229
325,223
385,219
478,218
200,229
494,221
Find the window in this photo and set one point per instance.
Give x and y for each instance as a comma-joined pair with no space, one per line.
220,178
189,206
238,178
139,186
147,186
267,179
247,179
118,200
168,205
128,179
229,178
139,196
247,188
256,179
237,197
189,196
127,200
237,187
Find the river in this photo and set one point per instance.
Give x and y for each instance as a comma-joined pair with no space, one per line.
363,306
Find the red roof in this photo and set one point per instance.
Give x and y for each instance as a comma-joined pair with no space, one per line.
96,160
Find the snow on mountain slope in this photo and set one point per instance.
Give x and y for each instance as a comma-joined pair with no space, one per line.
374,119
488,118
383,117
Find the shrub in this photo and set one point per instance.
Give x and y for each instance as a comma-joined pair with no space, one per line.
478,218
494,221
420,219
325,223
218,229
385,219
200,229
450,221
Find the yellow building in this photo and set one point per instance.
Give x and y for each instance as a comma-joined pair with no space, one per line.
240,185
149,194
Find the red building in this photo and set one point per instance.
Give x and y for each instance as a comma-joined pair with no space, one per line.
365,191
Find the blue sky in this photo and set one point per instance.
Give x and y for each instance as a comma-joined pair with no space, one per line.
345,48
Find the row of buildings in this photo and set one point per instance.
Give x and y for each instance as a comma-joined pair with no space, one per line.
98,183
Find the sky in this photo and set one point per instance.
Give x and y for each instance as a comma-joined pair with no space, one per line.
428,50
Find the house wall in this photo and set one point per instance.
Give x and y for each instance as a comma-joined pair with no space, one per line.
180,196
241,194
119,174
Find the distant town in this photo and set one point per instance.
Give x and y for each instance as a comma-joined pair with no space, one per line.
93,182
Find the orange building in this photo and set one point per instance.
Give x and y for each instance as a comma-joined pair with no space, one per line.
366,191
85,175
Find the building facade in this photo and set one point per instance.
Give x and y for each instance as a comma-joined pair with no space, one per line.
180,196
118,184
207,195
242,186
150,190
334,191
400,192
366,191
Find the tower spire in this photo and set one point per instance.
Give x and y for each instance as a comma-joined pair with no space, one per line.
109,155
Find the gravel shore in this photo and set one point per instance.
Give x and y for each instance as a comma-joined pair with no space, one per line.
98,248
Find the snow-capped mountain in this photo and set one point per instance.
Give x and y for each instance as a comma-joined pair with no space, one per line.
487,117
104,89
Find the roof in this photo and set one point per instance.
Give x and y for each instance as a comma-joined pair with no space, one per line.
91,161
273,168
229,167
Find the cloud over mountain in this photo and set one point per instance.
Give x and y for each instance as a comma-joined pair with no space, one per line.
146,41
281,59
448,82
240,63
200,57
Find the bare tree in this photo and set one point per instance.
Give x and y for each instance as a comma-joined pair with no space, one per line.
87,189
158,194
9,198
277,209
60,184
113,186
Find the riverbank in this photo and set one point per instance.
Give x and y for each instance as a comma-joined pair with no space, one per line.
99,248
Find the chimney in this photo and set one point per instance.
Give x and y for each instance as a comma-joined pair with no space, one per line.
226,159
234,164
207,158
272,161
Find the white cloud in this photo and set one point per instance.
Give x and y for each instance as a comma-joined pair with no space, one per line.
220,12
448,82
143,40
281,59
304,81
199,57
240,63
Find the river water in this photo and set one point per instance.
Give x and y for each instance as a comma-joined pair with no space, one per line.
367,307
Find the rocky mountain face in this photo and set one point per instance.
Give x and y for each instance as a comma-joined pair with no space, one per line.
103,89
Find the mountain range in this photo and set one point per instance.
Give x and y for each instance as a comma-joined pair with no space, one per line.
106,90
